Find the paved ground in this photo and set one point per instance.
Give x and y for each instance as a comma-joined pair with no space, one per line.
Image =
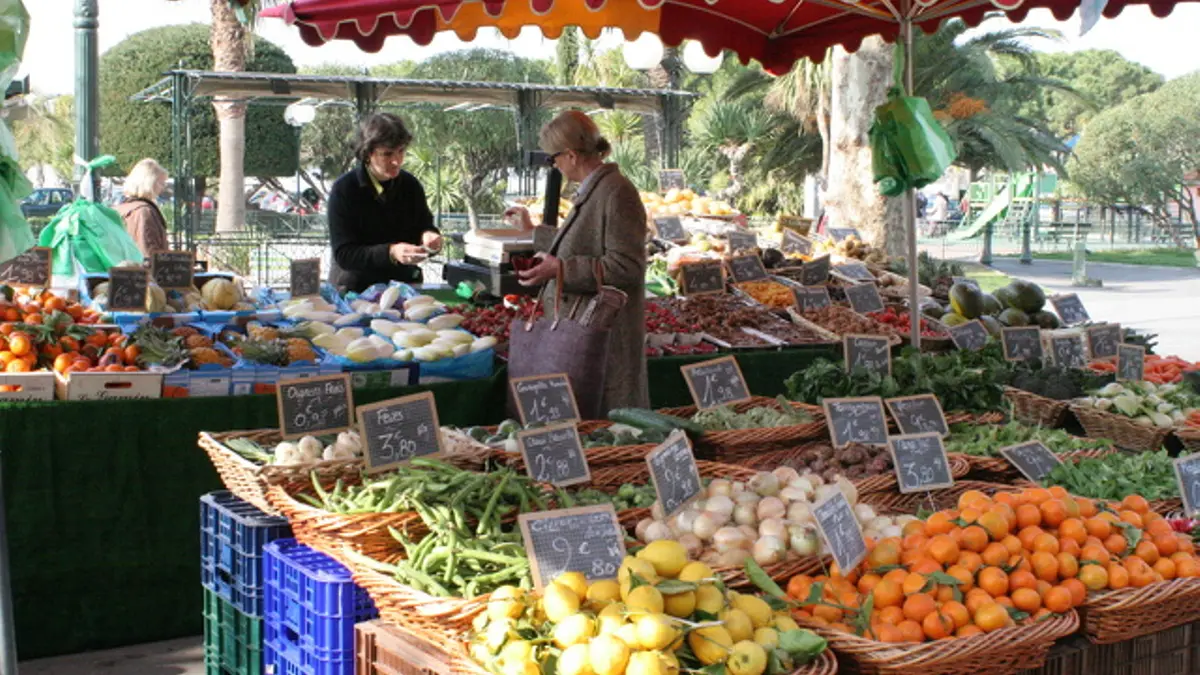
174,657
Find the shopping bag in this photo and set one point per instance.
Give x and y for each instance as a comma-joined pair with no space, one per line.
88,236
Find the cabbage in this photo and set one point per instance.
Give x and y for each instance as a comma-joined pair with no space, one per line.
1161,420
1128,404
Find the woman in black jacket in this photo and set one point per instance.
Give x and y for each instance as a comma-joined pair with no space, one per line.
380,225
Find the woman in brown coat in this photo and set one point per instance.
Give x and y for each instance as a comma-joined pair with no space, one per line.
607,225
138,208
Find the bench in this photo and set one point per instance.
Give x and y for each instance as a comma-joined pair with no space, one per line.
1063,230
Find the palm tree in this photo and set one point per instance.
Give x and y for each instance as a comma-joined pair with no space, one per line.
733,128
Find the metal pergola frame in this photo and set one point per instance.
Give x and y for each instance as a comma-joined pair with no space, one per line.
183,89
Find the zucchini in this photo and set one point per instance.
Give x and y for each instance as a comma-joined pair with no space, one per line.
648,420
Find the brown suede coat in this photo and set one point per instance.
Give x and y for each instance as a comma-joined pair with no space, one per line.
145,224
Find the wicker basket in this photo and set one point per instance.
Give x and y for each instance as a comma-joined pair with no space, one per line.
880,329
613,455
886,482
936,500
1000,469
331,533
1124,614
1002,652
439,621
1189,437
610,478
1121,430
740,442
1035,410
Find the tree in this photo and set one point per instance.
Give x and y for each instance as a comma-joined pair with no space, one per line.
46,136
1102,78
566,56
327,143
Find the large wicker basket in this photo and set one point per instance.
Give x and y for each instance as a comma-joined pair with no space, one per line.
439,621
992,469
936,500
728,445
1189,437
1121,430
332,533
1115,616
1035,410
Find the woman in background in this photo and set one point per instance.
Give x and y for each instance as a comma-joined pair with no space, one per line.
139,206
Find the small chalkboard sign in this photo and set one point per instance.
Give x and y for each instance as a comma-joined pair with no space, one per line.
1022,343
305,278
747,268
864,298
127,289
1032,459
674,473
671,179
554,455
1068,351
856,420
741,241
173,269
670,228
840,530
1187,473
854,272
587,539
920,462
1069,309
843,233
812,297
314,405
970,336
399,429
921,414
702,278
870,352
716,383
31,268
815,272
545,399
794,242
1103,340
1131,362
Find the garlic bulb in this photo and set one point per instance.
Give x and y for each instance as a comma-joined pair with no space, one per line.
310,449
287,453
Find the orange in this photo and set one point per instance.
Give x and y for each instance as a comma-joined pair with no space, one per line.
1118,576
957,612
1077,590
1136,503
17,366
1038,495
890,615
1026,600
937,626
943,549
994,524
913,527
1157,526
886,552
971,560
1087,507
896,576
964,576
1059,600
868,582
1005,601
1186,568
1021,579
1094,577
925,566
1166,568
913,542
1094,553
995,554
1140,573
994,581
1166,544
917,607
975,538
1053,513
968,630
1147,551
970,515
914,583
1045,566
1098,527
830,614
1028,535
1006,511
938,523
1073,528
1068,566
1116,544
1019,562
911,631
887,633
1013,544
1132,517
975,598
1045,542
1070,547
969,497
798,586
991,617
887,593
20,344
1057,491
1028,515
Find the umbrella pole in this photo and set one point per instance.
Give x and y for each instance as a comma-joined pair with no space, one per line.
910,196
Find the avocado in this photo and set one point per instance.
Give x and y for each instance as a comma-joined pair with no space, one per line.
1044,320
991,306
1027,296
1004,295
1014,317
966,301
991,324
953,319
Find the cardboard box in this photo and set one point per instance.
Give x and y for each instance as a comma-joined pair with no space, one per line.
28,386
106,386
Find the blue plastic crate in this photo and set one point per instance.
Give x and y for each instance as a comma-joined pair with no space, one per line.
232,536
312,605
281,657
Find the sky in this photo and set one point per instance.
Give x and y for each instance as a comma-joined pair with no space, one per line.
1165,45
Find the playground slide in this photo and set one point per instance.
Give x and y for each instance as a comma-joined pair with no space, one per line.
992,212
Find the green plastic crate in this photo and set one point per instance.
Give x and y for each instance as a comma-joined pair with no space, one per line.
232,640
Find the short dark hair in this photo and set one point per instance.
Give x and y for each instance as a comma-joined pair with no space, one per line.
380,130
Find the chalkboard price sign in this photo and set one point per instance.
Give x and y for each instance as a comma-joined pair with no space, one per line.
1131,362
587,539
674,473
1032,459
854,272
747,268
703,278
870,352
554,455
314,405
856,420
970,336
1068,351
173,269
1069,309
545,399
864,298
741,241
921,414
843,233
306,277
1187,473
31,268
920,462
716,383
399,429
815,272
1023,343
794,242
840,530
812,297
127,289
1103,340
671,179
670,228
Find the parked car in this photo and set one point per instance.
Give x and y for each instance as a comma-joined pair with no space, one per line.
45,202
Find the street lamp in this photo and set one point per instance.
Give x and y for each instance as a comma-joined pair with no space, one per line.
698,61
297,115
643,53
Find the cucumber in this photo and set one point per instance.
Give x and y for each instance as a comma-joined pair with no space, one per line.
648,420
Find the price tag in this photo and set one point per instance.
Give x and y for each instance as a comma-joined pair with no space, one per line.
314,405
840,530
674,473
703,278
812,297
815,272
871,352
920,462
127,289
921,414
399,429
795,243
843,233
1068,351
747,268
1022,343
587,539
864,298
305,278
716,383
970,336
856,420
31,268
671,179
554,455
1131,362
1103,340
854,272
741,241
1069,309
173,269
1187,473
1032,459
670,229
545,399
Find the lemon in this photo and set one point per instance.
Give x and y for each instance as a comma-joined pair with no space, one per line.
632,567
559,602
575,660
711,644
644,600
747,658
667,555
573,630
672,662
647,663
767,637
783,622
756,608
709,599
610,618
627,633
608,655
738,624
498,633
696,572
680,604
574,581
602,593
507,602
479,652
516,652
655,631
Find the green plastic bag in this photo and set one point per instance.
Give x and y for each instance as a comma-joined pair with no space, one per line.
15,235
88,236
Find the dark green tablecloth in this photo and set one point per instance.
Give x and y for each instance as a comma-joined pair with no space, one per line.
102,509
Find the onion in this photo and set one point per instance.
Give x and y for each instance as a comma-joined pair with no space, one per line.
745,514
769,550
878,523
656,531
722,519
686,520
803,483
772,527
904,520
765,484
692,544
733,558
800,513
746,498
728,538
803,540
738,486
750,533
815,479
697,505
863,512
719,504
640,530
790,494
825,491
771,507
705,526
710,558
786,474
720,486
892,531
848,489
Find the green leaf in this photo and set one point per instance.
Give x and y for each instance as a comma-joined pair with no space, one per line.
675,586
943,578
636,581
550,665
774,665
714,669
775,603
760,578
1016,614
815,593
700,616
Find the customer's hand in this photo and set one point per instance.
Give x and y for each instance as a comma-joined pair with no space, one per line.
518,216
544,271
432,241
407,254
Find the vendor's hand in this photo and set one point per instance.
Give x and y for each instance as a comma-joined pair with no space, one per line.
432,241
407,254
519,216
544,271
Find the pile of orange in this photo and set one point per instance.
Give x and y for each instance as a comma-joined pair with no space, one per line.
995,562
45,331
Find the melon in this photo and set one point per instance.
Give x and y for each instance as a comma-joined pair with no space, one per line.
156,298
220,294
